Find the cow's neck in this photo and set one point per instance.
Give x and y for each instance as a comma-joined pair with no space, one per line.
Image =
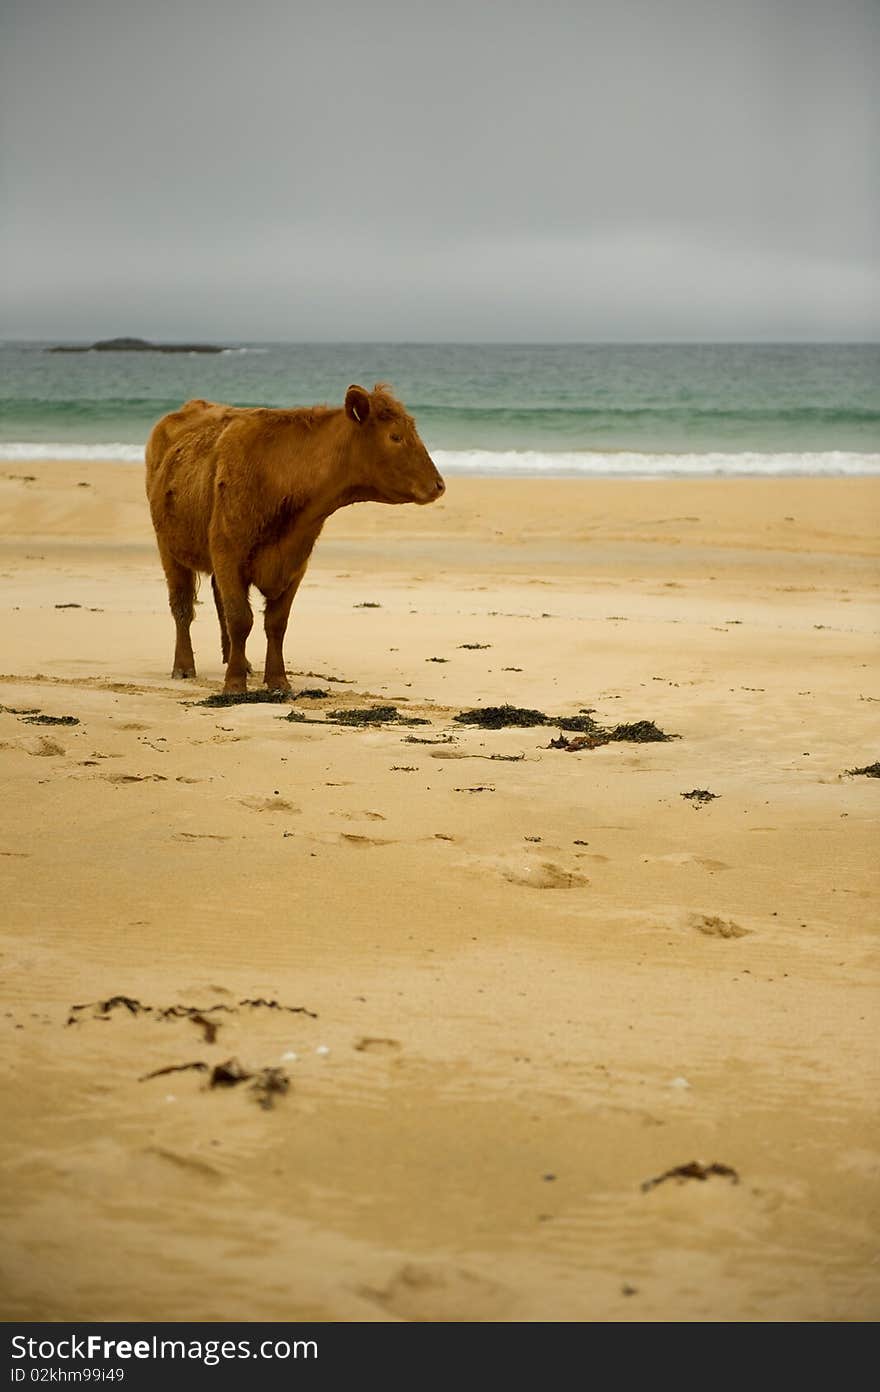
333,484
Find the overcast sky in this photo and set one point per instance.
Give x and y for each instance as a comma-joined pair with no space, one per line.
441,169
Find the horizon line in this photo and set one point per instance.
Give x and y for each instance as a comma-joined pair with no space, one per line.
482,342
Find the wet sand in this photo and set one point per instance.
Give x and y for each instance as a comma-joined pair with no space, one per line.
509,984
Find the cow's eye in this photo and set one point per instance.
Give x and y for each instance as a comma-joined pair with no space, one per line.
397,439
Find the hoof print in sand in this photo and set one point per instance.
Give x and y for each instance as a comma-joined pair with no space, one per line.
43,747
546,875
437,1294
134,777
714,927
372,1044
268,804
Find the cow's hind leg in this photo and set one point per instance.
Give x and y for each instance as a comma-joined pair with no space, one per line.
277,614
181,600
239,619
221,617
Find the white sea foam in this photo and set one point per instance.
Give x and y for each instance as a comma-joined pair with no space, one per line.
21,451
538,463
627,464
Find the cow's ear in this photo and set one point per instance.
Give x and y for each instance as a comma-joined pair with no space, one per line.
357,404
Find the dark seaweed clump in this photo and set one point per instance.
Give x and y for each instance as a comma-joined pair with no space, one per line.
51,720
102,1010
246,698
501,717
870,770
692,1170
374,715
642,732
698,796
583,724
31,715
267,1084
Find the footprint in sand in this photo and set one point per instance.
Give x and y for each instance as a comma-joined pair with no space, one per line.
360,816
545,875
371,1044
268,804
714,927
352,840
43,747
181,1164
534,874
432,1293
685,858
199,836
133,777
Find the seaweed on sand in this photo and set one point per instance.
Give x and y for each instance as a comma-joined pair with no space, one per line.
869,771
51,720
501,717
692,1170
102,1010
267,1083
373,715
593,734
245,698
642,732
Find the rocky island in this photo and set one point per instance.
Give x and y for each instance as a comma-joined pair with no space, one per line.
137,345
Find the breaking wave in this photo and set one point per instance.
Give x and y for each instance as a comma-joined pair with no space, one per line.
545,463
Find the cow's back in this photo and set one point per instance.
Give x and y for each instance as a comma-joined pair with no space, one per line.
181,460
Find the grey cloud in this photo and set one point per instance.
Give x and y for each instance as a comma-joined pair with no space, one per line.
471,170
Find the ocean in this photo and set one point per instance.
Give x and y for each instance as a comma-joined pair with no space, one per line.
493,409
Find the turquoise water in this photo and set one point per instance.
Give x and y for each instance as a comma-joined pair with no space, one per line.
493,408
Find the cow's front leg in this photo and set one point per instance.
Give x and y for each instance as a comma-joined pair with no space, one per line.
221,617
239,622
277,614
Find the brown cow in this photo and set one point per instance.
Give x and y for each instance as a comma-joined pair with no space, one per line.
242,494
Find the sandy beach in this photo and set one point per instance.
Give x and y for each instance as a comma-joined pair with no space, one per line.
485,989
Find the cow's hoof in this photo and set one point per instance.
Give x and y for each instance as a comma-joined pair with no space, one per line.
238,687
183,673
283,687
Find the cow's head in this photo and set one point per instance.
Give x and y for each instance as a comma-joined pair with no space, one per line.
392,461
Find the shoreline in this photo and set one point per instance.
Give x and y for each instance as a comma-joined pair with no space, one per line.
520,982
